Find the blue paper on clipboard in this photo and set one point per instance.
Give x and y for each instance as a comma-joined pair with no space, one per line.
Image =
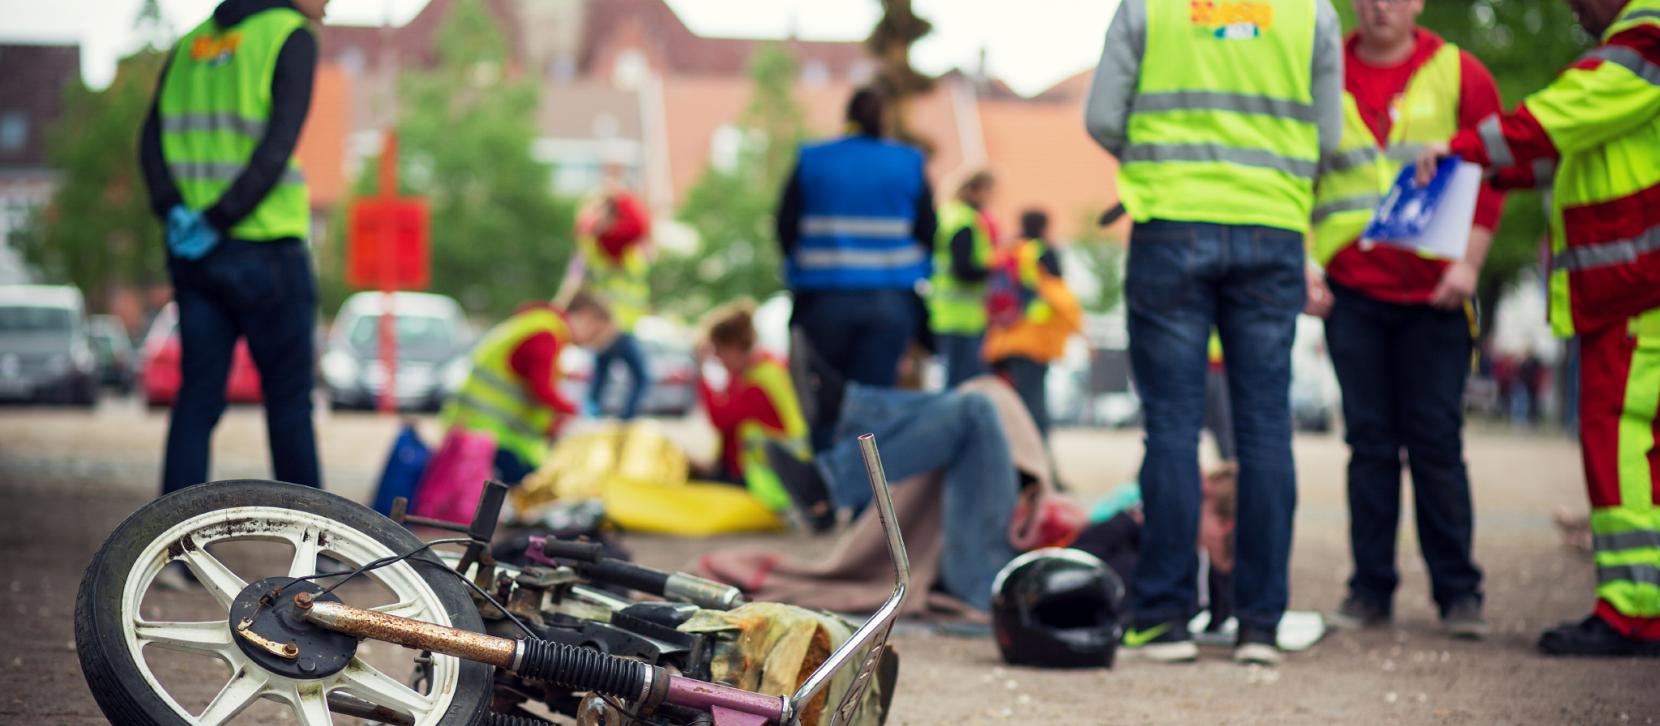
1433,219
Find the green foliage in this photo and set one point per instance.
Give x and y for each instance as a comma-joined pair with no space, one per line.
98,229
1524,43
732,209
499,236
1102,256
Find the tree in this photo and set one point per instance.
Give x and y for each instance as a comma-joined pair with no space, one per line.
1524,43
890,41
98,230
1102,255
499,235
732,208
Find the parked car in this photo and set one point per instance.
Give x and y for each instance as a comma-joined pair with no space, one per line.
160,374
669,362
45,352
117,361
432,337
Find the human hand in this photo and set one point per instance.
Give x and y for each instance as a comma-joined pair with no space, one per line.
189,236
1319,295
1428,160
1457,285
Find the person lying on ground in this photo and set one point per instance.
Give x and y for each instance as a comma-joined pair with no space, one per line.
957,433
758,404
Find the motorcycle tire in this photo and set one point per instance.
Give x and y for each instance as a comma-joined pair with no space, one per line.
111,670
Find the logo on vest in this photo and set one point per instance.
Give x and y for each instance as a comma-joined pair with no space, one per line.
215,50
1231,20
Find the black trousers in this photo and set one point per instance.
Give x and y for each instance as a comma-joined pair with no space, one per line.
1403,369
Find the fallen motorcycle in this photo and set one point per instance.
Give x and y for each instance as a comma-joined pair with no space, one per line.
395,631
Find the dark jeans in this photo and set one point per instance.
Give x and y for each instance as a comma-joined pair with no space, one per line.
860,334
1182,278
625,348
1403,369
1029,379
264,292
961,355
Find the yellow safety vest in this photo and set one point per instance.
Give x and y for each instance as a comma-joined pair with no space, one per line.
624,284
496,400
956,307
1222,128
1354,180
759,478
214,103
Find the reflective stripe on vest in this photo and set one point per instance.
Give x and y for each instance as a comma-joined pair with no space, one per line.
1355,178
956,307
495,400
1612,179
213,105
1212,136
1627,533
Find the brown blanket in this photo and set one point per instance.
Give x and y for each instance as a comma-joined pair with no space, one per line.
856,577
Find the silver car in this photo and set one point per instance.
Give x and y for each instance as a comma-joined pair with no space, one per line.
432,337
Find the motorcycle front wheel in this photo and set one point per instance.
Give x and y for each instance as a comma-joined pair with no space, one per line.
126,617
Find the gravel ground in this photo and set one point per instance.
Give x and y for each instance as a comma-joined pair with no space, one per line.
67,478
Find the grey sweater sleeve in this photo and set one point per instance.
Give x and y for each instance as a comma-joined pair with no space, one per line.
1328,76
1107,113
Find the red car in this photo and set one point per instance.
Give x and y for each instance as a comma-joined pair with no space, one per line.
161,365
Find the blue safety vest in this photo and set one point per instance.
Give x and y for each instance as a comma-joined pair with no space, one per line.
859,200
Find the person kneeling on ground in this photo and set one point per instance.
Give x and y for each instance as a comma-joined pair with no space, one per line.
512,392
757,406
957,433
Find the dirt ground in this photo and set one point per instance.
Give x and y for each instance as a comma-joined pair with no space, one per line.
67,478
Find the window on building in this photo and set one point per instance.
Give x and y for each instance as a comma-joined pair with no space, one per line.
815,74
14,130
725,145
631,69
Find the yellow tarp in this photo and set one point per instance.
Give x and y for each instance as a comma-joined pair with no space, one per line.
642,478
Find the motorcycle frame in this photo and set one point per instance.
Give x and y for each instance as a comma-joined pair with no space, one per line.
727,705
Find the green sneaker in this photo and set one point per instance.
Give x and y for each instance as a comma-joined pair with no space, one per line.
1162,643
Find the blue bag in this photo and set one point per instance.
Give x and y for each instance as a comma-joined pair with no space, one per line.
404,467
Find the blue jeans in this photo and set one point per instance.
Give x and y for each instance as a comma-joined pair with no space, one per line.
264,292
1402,369
1182,278
961,355
625,348
917,433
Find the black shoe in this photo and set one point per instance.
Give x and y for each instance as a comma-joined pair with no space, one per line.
1593,636
805,486
1257,646
1464,621
1162,642
1357,613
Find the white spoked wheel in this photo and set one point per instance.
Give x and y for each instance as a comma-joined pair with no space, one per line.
116,637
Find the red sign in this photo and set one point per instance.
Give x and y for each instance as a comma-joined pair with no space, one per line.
387,245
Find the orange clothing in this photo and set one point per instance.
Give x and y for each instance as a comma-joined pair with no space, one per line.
1041,341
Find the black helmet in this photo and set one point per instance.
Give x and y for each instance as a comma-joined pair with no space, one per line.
1057,608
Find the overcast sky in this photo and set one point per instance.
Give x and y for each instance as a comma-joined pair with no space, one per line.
1030,44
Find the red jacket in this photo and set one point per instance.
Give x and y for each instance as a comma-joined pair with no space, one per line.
1390,273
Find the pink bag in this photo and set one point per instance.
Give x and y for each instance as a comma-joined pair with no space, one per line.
450,487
